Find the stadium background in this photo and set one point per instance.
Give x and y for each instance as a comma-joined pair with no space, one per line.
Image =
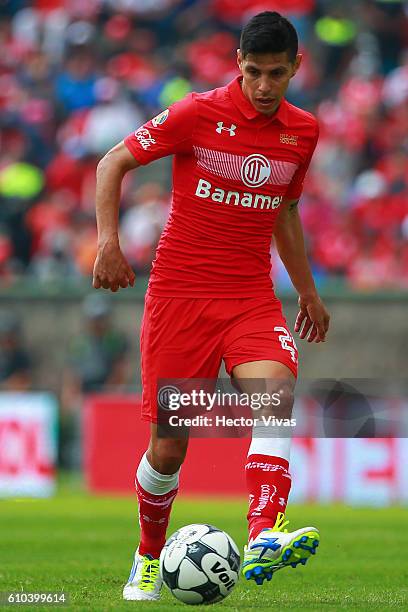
75,78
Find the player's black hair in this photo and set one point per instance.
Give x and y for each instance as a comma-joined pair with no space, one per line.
269,32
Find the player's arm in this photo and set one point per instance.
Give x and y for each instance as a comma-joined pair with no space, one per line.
313,318
168,133
111,270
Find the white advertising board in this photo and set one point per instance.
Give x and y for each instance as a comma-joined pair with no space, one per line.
28,444
357,471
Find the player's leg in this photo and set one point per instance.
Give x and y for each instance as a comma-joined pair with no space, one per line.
176,343
271,546
156,482
267,467
260,352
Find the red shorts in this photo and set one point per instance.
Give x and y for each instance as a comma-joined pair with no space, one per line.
189,337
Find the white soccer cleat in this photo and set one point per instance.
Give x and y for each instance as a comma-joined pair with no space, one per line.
275,548
144,582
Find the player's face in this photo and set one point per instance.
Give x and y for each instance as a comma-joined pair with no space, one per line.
266,78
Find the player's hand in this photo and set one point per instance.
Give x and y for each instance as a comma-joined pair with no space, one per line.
312,320
111,270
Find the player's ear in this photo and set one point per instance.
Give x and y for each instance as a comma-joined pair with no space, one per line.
297,63
239,59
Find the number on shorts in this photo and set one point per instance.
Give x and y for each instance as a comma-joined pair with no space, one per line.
285,338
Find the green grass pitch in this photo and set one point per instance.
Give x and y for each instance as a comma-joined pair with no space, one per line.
84,545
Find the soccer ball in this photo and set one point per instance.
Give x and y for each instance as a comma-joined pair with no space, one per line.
200,564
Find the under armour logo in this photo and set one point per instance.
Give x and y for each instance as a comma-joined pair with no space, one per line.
221,127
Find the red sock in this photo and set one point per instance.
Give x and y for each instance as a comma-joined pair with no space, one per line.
268,484
154,514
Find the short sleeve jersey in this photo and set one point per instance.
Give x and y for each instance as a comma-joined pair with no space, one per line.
232,168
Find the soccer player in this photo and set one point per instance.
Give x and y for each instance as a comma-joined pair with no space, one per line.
241,153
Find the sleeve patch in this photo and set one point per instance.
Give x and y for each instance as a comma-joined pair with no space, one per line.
161,118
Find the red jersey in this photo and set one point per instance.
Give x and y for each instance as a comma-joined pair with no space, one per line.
232,167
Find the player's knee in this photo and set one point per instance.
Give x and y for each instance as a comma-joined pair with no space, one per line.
281,401
167,455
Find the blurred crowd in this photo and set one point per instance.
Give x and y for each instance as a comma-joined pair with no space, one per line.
76,77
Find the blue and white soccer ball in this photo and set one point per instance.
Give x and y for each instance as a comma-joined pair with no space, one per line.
200,564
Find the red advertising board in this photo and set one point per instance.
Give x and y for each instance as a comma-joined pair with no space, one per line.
115,438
